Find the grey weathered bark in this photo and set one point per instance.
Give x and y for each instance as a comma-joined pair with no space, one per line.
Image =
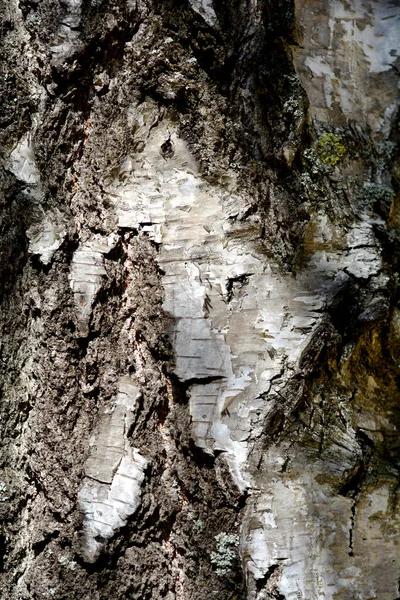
200,331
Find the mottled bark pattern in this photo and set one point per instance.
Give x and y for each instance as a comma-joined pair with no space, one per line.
200,320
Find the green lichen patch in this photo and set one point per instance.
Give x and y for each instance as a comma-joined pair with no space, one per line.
331,149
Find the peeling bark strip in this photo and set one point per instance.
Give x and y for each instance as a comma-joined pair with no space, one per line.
110,493
200,324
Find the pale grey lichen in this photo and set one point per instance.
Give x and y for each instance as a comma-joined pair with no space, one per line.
225,556
387,149
376,192
67,563
307,184
313,164
312,178
291,107
3,492
198,526
34,19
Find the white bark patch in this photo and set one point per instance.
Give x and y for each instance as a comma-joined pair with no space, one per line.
87,273
239,328
236,323
67,36
46,236
47,233
295,526
114,474
22,162
206,10
346,59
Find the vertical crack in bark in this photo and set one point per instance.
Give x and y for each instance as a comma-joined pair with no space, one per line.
351,530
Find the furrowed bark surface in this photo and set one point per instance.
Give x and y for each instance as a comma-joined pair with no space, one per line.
200,330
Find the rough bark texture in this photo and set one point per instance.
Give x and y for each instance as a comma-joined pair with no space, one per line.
200,330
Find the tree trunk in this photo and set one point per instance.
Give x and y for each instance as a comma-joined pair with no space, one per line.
200,332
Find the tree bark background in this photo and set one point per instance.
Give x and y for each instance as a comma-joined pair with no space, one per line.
200,330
